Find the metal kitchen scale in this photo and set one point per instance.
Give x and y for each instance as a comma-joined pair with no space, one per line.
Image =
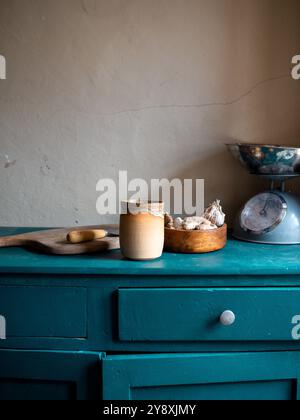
272,217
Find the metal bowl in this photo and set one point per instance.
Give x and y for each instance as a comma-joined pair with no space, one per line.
268,160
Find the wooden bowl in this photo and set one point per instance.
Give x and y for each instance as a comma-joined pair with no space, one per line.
195,241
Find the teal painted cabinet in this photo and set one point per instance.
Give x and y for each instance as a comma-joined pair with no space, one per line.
102,327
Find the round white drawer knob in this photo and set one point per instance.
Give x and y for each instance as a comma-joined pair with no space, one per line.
227,318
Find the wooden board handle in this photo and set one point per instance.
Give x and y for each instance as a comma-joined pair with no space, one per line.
8,241
80,236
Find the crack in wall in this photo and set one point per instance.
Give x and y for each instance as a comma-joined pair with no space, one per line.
204,105
234,101
88,6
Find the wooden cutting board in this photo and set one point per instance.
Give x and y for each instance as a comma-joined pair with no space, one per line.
54,241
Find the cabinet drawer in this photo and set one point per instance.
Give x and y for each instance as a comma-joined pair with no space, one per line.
44,312
180,314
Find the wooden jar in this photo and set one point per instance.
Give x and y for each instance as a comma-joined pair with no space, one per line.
142,230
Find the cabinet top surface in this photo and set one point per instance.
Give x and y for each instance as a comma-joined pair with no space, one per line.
238,258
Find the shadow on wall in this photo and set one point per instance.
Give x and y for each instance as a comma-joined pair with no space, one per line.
225,179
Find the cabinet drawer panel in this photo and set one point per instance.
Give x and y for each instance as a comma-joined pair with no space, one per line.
194,314
46,312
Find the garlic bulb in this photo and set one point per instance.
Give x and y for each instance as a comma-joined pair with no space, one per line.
178,223
205,226
212,219
197,223
214,214
169,221
191,223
